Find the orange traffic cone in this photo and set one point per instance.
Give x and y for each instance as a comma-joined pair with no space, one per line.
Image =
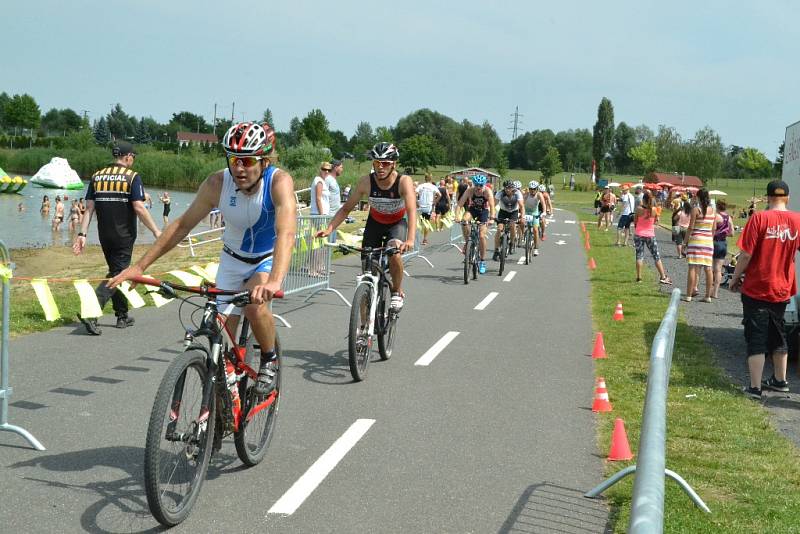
592,264
618,314
601,402
587,245
583,227
599,350
620,450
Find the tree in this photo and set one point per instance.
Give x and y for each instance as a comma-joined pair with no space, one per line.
754,162
339,143
4,100
120,124
102,135
551,163
363,139
537,146
603,133
575,147
22,111
420,152
502,164
267,117
704,154
142,136
314,127
61,121
643,133
646,155
778,167
624,140
384,133
186,121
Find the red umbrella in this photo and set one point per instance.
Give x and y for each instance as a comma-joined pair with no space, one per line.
664,184
652,186
693,189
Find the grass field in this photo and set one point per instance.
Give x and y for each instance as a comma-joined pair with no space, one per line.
723,444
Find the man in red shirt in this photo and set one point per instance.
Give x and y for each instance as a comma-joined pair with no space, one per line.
769,242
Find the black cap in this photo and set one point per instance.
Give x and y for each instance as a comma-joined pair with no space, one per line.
122,148
336,163
777,188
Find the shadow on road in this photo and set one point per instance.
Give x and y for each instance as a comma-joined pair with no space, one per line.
323,368
122,505
551,508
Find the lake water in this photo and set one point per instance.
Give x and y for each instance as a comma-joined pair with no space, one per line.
31,229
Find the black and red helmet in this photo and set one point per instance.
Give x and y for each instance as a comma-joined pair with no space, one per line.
385,151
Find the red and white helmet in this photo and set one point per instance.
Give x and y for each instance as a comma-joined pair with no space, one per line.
247,139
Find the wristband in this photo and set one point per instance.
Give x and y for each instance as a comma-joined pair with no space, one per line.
81,234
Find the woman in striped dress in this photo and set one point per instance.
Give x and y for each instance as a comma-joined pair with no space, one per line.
700,249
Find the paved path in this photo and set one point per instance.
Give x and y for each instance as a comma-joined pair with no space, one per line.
495,434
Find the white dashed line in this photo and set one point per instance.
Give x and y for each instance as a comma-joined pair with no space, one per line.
510,276
312,478
488,300
437,347
521,261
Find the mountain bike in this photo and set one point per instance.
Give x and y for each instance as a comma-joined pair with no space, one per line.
371,314
207,393
505,242
471,251
528,238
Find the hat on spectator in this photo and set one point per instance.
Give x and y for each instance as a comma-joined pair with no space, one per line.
777,188
336,163
122,148
326,166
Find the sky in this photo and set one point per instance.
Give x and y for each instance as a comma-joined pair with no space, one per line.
730,65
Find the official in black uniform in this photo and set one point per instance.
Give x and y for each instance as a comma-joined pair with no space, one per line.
116,194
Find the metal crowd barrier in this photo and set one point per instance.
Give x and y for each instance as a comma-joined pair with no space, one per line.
6,268
310,267
647,509
191,243
416,252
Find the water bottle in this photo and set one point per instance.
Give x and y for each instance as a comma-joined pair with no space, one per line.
233,385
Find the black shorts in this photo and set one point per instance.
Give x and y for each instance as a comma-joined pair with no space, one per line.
425,215
763,325
596,203
441,209
605,209
167,207
624,222
481,216
503,214
720,250
378,235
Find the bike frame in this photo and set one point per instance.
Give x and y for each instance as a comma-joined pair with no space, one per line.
369,278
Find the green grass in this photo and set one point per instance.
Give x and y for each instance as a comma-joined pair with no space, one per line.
723,444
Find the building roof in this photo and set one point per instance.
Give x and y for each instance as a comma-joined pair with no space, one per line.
674,179
197,137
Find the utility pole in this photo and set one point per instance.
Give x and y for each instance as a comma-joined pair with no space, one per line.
516,123
214,124
233,108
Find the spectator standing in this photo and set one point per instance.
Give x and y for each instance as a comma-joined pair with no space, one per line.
645,236
680,224
607,202
723,229
332,184
460,192
765,273
426,197
442,205
164,198
45,208
116,194
572,182
320,198
700,246
627,202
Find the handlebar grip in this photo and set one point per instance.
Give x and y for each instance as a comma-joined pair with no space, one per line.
278,295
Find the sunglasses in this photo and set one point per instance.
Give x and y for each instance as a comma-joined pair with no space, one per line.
246,161
379,163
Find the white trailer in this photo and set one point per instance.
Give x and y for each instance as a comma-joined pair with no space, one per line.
791,175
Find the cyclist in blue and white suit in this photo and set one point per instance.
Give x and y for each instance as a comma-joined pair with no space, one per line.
534,206
258,203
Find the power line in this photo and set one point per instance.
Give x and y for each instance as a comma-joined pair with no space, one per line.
516,122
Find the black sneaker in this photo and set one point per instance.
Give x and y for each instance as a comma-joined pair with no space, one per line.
753,393
775,385
266,377
496,255
91,326
123,321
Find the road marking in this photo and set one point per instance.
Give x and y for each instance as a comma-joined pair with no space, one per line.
306,484
521,260
437,347
510,276
562,235
488,300
569,222
561,242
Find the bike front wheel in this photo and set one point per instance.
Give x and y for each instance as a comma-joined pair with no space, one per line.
359,340
387,321
467,259
528,245
503,253
179,436
259,413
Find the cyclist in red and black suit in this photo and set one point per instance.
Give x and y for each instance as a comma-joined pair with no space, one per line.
391,197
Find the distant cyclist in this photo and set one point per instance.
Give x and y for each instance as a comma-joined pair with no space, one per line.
509,205
257,202
534,207
548,208
392,217
479,202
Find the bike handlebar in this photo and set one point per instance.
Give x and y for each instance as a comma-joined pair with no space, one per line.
389,251
168,289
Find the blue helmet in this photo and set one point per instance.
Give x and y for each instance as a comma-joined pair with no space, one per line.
479,179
